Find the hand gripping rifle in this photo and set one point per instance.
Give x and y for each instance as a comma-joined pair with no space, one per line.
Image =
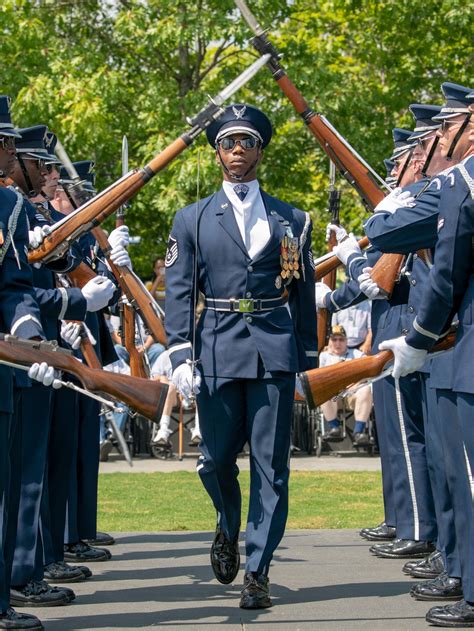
145,396
329,279
96,210
370,186
323,384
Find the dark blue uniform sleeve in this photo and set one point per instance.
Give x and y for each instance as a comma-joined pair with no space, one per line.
179,310
409,228
346,295
302,303
18,308
449,276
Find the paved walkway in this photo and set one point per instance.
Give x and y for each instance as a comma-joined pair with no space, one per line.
325,580
347,462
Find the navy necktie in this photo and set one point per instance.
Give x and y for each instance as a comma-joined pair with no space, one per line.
241,191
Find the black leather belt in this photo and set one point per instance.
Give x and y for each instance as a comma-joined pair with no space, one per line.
243,305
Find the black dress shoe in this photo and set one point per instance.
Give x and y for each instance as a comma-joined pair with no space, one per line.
225,557
59,572
256,592
442,587
81,551
404,549
37,594
461,614
382,532
431,567
383,545
101,539
11,619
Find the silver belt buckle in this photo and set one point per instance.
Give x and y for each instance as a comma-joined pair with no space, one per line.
246,305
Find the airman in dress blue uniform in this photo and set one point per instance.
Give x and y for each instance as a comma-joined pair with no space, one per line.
246,248
408,498
28,588
414,227
450,291
19,313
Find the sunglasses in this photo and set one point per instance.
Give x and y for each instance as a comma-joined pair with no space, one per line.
444,124
40,163
7,142
250,142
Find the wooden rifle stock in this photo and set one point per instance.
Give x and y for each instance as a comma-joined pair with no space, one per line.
137,294
145,396
81,275
96,210
137,368
386,271
322,384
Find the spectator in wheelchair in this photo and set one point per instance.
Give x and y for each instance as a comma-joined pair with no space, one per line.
161,370
360,401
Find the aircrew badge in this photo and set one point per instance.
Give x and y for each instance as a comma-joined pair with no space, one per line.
289,255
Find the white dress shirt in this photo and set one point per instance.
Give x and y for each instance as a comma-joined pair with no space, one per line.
251,216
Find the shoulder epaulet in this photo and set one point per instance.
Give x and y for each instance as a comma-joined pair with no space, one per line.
12,223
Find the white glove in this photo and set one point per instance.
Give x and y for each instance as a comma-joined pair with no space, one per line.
45,374
119,236
369,287
340,232
120,257
322,291
182,378
346,248
396,199
37,235
71,334
98,293
407,359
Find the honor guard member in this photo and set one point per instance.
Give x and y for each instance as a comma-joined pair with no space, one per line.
81,515
28,587
19,315
407,489
405,229
450,291
252,259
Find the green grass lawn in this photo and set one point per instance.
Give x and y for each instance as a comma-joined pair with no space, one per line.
177,501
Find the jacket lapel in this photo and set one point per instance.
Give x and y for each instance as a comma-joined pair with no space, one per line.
226,218
277,226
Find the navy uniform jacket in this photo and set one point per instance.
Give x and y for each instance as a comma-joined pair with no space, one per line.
19,312
450,289
229,344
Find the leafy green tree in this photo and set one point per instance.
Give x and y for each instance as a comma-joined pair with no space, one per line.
95,70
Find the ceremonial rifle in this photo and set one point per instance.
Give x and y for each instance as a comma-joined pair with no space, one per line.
136,292
329,279
145,396
368,183
96,210
128,324
323,384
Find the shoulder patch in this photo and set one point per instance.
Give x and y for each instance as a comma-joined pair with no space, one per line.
171,252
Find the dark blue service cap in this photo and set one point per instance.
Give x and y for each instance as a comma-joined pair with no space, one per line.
424,123
240,118
51,142
6,125
400,142
85,171
33,143
457,101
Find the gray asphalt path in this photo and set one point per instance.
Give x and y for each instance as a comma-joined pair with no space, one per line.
321,579
347,462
